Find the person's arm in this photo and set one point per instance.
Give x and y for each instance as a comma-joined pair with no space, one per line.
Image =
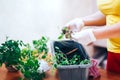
87,36
108,32
97,19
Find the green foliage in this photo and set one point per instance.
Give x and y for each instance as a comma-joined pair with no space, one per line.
41,45
29,62
61,59
65,32
30,70
24,59
86,61
10,52
61,36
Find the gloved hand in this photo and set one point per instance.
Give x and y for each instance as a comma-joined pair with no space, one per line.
75,25
84,37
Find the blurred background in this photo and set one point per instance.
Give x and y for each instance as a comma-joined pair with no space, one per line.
30,19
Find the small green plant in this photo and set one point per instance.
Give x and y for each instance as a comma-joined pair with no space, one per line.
41,46
61,59
65,32
86,61
29,59
30,70
10,52
29,65
23,57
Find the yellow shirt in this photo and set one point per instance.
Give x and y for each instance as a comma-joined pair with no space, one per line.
111,8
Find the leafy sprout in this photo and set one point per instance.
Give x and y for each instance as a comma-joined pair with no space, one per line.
65,32
61,59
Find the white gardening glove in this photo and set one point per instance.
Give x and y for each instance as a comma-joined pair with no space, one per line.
84,37
75,25
43,66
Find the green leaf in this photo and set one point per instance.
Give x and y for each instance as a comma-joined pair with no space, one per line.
61,36
44,56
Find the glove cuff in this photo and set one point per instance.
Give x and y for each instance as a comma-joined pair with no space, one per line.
80,23
91,34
